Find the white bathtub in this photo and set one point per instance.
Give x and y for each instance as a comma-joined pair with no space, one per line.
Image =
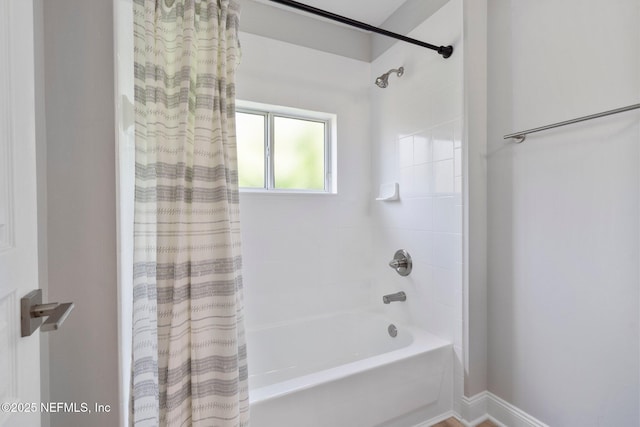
345,370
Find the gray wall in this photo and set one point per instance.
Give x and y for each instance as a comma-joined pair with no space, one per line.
80,171
41,165
475,224
563,211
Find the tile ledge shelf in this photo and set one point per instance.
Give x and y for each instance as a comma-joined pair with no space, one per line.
389,192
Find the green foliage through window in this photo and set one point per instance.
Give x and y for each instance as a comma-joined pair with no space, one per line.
298,154
282,152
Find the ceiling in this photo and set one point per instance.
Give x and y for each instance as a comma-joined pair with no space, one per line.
373,12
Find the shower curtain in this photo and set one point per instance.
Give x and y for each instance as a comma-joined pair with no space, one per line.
189,354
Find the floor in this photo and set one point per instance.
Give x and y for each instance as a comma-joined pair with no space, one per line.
452,422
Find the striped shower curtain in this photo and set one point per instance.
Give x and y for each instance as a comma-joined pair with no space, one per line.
189,355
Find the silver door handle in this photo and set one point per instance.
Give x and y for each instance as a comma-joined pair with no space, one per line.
32,311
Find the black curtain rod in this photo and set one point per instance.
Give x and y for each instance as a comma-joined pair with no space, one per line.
445,51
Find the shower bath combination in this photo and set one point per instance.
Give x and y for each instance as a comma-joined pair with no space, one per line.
383,80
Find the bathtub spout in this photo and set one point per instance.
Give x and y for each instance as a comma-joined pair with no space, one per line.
398,296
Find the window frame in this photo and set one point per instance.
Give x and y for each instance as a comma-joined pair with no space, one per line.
270,113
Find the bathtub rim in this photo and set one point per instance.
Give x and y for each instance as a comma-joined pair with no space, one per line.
422,342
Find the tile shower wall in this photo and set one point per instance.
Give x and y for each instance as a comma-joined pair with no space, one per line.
418,143
308,254
315,254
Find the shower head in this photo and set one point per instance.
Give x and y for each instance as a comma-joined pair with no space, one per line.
383,80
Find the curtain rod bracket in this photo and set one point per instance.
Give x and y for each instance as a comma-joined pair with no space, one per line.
445,51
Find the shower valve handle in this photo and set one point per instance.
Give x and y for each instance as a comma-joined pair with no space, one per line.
397,263
401,262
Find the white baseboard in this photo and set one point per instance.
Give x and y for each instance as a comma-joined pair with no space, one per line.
487,406
507,414
474,409
437,419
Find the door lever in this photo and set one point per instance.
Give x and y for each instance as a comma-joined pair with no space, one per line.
32,311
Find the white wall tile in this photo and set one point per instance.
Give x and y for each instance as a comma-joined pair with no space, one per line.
457,133
444,103
353,252
457,332
457,301
422,148
445,286
445,247
405,152
457,184
458,219
299,248
445,214
431,112
443,322
443,177
418,213
407,188
423,179
442,137
342,244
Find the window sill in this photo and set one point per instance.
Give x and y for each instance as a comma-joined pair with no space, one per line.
296,193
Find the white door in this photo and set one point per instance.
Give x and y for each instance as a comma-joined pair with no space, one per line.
19,357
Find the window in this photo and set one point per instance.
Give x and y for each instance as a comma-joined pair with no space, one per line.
285,149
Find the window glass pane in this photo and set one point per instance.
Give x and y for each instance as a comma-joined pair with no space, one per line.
299,154
250,131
